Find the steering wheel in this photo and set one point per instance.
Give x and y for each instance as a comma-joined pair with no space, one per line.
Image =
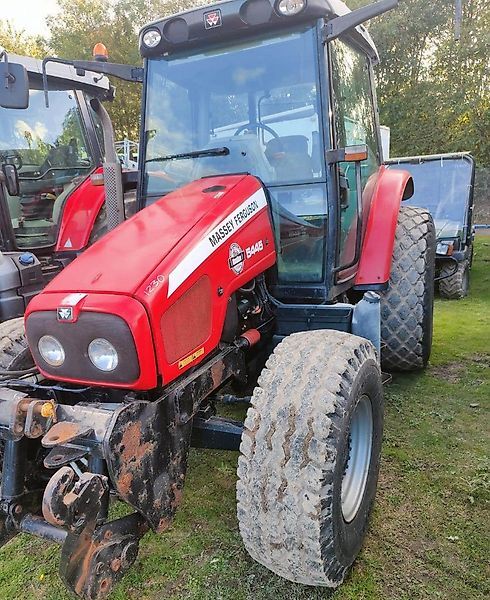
259,126
12,157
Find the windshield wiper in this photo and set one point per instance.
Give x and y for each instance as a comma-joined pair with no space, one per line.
39,177
223,151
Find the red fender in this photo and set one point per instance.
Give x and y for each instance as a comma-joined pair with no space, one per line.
377,249
79,214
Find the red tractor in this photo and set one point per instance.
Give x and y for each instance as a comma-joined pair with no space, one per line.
272,252
52,185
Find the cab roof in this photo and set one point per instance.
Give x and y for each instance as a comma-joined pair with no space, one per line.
398,160
243,18
61,76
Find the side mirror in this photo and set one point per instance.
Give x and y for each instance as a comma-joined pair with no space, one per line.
342,23
14,84
11,178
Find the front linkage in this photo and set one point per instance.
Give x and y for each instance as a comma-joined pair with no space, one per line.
135,449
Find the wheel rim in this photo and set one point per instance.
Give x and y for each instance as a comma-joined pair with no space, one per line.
357,464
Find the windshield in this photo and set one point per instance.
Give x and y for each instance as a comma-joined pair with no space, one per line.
50,150
256,104
442,186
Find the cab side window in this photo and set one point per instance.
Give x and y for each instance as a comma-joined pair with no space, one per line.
50,149
99,130
354,123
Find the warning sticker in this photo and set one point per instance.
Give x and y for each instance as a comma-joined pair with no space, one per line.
191,358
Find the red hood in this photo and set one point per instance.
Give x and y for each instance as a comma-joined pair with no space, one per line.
124,258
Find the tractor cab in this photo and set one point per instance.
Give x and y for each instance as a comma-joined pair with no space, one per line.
443,184
55,196
253,87
52,149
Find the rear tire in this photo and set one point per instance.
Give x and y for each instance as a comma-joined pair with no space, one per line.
300,513
407,305
455,286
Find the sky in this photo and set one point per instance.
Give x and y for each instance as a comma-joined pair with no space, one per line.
29,15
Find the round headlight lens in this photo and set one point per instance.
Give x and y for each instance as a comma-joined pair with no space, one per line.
288,8
51,350
152,38
103,355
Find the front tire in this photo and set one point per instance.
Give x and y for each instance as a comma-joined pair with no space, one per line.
14,350
407,305
14,355
456,286
300,510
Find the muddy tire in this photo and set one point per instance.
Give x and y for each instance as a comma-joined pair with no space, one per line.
455,286
14,351
309,460
408,303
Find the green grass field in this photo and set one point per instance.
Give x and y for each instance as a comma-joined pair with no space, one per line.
430,532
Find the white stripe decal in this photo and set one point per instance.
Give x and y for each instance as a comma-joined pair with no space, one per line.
216,238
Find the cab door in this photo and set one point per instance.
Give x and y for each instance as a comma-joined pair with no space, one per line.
354,124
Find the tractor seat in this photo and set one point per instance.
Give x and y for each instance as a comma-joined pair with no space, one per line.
289,157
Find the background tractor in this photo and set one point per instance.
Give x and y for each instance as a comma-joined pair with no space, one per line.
52,192
444,185
272,255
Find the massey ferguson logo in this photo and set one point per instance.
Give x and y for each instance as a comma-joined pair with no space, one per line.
212,19
236,258
64,313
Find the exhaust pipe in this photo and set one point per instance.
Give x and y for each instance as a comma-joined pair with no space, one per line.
114,198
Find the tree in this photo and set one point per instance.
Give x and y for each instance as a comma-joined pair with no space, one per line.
80,24
433,91
18,42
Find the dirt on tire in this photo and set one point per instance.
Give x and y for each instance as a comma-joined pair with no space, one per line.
293,456
14,351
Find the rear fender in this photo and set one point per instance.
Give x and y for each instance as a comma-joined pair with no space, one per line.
392,187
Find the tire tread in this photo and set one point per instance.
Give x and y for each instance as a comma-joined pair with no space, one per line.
13,344
288,451
407,305
453,287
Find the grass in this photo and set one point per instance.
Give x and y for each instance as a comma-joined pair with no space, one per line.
429,535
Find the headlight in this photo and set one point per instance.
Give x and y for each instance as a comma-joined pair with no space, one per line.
445,248
51,350
288,8
103,355
152,38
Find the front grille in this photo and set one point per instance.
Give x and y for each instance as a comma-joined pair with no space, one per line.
187,323
75,338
